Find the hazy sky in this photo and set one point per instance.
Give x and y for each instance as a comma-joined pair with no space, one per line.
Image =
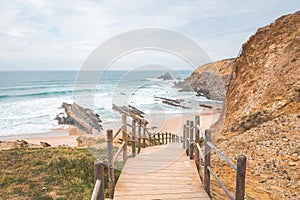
59,35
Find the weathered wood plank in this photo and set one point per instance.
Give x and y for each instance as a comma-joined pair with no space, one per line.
163,174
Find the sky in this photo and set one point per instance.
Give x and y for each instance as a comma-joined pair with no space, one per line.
60,35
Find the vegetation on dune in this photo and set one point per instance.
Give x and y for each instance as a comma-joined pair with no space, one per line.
51,173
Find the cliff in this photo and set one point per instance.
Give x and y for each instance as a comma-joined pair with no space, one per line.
262,110
212,80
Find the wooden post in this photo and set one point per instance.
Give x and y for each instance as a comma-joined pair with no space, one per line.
154,138
173,138
187,134
162,138
191,140
240,177
197,159
124,138
99,175
111,174
139,136
158,136
207,162
197,141
133,137
184,136
166,138
170,137
144,136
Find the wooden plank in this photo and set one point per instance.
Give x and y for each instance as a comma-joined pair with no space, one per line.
165,173
130,114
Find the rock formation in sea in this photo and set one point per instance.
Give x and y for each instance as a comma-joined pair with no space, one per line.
84,119
167,76
263,110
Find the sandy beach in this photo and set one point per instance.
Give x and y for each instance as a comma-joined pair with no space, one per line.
174,125
67,137
56,137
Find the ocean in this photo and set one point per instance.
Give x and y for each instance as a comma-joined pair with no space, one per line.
30,100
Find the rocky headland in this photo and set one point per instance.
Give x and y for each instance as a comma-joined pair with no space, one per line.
261,118
212,80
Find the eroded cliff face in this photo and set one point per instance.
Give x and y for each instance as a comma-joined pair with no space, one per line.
263,110
212,80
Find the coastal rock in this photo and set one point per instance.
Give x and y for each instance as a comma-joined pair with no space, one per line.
210,80
22,143
166,76
262,108
184,86
45,144
4,145
84,119
94,140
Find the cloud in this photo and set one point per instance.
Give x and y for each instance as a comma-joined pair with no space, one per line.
36,34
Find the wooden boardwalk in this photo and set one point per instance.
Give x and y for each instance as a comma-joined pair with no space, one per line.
160,172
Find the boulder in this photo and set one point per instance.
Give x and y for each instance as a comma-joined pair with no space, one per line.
166,76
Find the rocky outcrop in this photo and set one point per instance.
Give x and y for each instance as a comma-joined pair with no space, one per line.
4,145
210,80
84,119
45,144
262,110
167,76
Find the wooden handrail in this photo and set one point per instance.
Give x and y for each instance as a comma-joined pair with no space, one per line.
117,133
191,138
98,191
136,135
95,193
221,183
201,155
119,151
222,155
194,147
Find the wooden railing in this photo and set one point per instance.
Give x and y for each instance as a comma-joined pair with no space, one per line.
138,140
98,192
193,150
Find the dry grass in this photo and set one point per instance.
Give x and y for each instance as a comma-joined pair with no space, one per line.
52,173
